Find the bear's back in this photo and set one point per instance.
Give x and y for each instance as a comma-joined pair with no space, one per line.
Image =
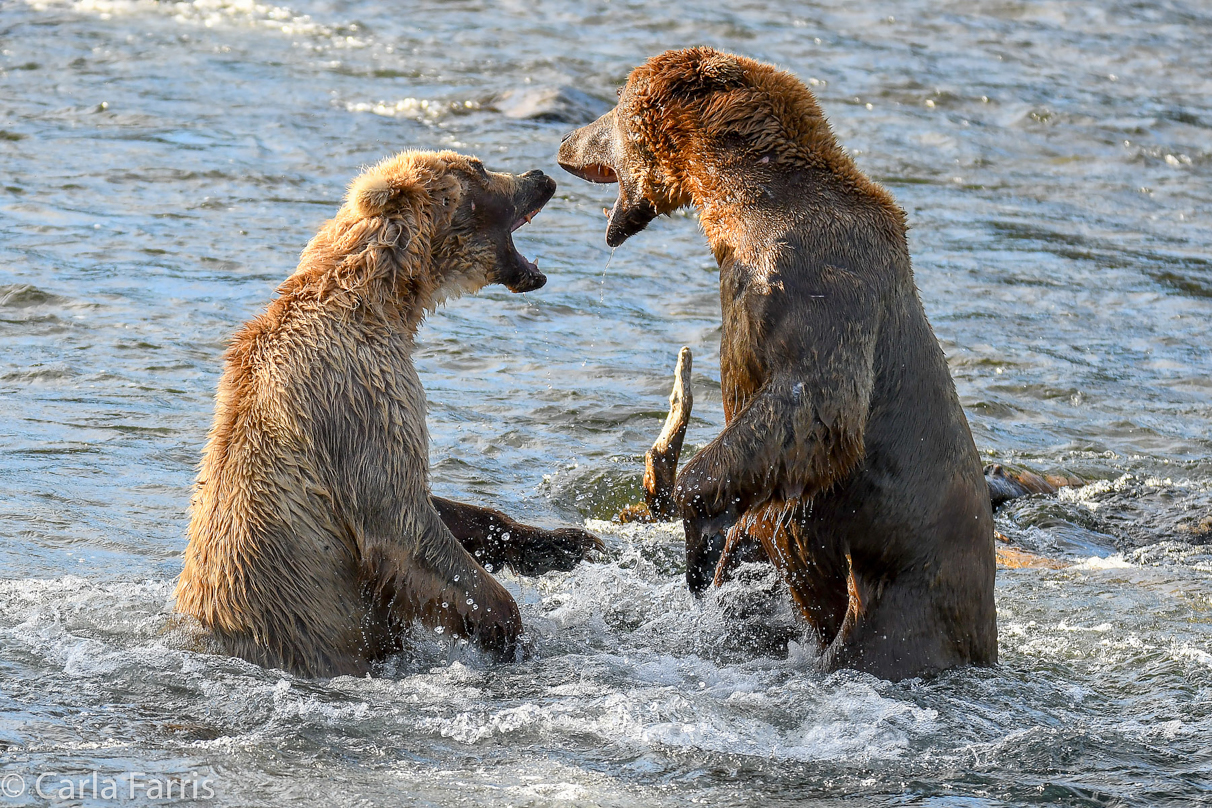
319,436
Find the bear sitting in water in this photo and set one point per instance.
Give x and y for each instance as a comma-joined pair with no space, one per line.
846,457
314,540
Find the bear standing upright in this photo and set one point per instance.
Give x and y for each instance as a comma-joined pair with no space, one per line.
314,541
846,454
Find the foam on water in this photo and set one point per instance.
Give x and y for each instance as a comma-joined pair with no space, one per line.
627,686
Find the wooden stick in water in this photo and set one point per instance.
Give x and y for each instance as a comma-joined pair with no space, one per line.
661,461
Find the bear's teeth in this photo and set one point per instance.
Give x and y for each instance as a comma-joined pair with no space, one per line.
526,218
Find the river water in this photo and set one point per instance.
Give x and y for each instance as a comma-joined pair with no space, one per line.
161,167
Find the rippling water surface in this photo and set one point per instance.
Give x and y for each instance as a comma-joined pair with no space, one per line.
161,166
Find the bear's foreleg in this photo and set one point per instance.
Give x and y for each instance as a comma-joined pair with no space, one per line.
815,572
436,582
496,540
784,445
745,542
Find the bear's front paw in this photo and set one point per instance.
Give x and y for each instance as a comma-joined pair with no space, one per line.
498,628
560,550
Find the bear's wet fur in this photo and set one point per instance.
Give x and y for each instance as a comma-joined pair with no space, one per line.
846,454
314,541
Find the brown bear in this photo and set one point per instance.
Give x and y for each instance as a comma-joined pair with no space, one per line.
846,454
314,541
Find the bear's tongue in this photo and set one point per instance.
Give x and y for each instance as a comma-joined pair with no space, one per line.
526,262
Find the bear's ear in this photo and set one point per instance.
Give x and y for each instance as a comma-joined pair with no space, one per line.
713,72
370,194
721,72
374,193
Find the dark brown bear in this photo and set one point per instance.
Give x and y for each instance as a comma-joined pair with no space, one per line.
314,541
846,454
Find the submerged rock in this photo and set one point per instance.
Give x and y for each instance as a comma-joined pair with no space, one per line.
550,104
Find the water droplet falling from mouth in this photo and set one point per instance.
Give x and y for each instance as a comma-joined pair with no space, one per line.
602,283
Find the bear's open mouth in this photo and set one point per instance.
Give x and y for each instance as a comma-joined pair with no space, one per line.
522,221
526,267
594,172
625,217
525,275
525,219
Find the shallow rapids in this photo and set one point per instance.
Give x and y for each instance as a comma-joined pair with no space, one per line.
163,163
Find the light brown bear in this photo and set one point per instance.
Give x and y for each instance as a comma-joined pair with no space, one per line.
846,457
314,540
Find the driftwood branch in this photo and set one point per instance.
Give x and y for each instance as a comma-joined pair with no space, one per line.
661,461
1007,483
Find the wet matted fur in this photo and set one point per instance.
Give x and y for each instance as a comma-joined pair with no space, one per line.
846,453
314,541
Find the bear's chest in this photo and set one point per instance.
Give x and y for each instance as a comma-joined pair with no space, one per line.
744,301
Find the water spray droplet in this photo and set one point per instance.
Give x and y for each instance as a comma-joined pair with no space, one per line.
602,284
